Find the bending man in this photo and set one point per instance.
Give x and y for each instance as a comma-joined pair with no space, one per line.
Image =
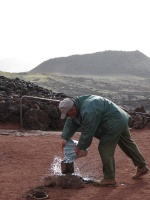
101,118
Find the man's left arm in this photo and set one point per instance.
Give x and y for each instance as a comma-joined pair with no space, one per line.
90,125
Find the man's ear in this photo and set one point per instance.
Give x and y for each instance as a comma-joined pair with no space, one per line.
74,110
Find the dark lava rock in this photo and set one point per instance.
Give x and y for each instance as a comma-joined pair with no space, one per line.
36,108
40,112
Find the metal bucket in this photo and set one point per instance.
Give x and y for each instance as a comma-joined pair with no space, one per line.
67,167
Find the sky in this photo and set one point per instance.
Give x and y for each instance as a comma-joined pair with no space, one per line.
33,31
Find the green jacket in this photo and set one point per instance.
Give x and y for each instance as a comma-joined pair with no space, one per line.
97,117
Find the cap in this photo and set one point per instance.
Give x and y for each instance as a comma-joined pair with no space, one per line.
64,106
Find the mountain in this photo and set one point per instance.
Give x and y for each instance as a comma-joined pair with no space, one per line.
132,63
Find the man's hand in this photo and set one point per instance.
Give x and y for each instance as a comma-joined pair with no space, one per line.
63,143
80,152
77,150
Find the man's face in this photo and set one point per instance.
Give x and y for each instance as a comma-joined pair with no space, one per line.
72,112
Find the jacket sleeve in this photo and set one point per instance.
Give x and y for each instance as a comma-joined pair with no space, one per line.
70,128
90,123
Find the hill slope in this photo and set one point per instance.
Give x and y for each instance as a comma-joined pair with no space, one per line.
132,63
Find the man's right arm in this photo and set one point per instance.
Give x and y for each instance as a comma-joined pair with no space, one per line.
70,128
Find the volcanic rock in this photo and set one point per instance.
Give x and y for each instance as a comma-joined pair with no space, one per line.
36,108
64,181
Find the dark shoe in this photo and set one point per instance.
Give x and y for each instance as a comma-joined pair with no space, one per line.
105,183
141,172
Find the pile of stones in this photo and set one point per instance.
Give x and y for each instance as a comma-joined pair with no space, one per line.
41,112
140,118
37,113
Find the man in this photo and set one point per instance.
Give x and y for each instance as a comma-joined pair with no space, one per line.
101,118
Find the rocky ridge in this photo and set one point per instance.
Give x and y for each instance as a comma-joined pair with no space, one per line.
36,108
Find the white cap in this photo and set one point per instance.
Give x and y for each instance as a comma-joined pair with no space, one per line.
65,106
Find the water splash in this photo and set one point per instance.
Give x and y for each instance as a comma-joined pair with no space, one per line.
76,171
55,168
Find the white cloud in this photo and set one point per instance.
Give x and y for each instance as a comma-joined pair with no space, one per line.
37,30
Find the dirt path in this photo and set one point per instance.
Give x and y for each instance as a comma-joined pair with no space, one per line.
26,157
